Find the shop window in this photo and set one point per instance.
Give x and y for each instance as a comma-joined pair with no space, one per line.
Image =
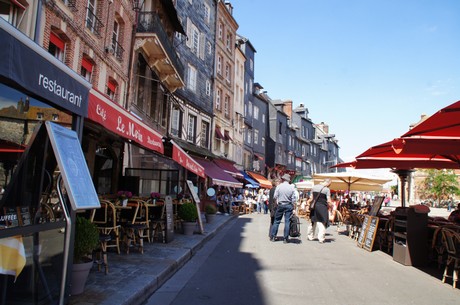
86,69
56,46
111,89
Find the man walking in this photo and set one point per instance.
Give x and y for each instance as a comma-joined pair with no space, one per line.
285,196
321,195
272,204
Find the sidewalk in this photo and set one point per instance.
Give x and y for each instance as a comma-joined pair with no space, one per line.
134,277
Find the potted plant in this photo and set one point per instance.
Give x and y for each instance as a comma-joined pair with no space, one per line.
123,196
86,241
188,213
155,196
210,211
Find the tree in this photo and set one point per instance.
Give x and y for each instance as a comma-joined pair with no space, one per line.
440,185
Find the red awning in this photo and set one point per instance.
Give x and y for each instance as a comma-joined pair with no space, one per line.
264,182
227,136
181,157
228,167
217,175
219,134
260,157
116,119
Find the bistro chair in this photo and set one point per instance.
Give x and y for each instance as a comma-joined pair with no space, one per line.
452,244
385,235
106,220
157,218
134,223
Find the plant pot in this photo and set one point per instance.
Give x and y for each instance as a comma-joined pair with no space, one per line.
189,227
210,218
80,274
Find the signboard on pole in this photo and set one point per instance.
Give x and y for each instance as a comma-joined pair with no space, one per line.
196,199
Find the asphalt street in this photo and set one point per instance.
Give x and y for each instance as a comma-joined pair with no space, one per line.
241,266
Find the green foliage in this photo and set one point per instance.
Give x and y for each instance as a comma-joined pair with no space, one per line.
440,184
86,239
187,212
210,209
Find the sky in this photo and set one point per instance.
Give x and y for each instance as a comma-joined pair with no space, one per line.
367,68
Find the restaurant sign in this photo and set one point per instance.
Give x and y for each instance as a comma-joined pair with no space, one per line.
115,118
181,157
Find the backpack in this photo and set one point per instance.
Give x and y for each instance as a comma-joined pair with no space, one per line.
294,226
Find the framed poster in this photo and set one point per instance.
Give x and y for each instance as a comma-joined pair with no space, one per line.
197,201
73,167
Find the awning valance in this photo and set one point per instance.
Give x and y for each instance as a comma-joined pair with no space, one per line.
264,182
185,160
251,182
116,119
217,175
228,167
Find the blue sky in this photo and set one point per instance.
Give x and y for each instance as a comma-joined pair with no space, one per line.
368,68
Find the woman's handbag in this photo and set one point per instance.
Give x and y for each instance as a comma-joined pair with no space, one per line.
313,203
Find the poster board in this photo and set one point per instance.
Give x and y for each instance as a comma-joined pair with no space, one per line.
376,205
362,233
372,227
368,231
196,199
73,167
169,219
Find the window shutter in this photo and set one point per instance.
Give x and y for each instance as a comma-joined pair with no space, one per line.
188,42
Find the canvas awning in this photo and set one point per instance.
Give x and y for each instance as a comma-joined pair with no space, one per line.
251,182
186,161
228,167
264,182
217,175
118,120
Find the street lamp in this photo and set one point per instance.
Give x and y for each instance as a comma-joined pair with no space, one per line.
137,5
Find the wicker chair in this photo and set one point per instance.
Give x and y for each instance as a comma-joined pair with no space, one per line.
451,241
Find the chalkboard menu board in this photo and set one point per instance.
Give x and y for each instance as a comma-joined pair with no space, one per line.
363,231
192,190
368,231
74,170
169,219
378,200
13,217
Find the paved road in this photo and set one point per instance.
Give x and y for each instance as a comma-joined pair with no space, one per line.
240,266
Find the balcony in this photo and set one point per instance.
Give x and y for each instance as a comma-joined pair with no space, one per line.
152,38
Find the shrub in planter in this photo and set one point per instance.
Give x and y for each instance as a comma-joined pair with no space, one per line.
86,239
210,209
187,212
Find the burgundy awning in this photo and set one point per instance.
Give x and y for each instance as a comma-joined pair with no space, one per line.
185,160
228,167
217,175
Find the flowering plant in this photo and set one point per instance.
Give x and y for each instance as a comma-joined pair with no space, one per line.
155,195
124,195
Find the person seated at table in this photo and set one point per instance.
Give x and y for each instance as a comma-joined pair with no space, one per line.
455,215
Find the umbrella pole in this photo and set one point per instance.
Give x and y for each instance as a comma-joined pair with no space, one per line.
403,174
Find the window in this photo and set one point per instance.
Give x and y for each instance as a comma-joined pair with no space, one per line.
229,41
220,30
12,12
251,64
207,13
280,127
204,134
191,128
56,46
40,115
208,88
249,137
111,89
115,37
176,122
86,69
256,136
191,84
55,117
219,64
218,97
263,142
227,105
263,117
256,112
91,16
227,73
250,110
195,40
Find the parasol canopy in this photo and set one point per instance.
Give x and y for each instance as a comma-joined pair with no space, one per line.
352,181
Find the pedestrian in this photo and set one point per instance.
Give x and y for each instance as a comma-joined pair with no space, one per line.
286,198
272,204
265,201
319,215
